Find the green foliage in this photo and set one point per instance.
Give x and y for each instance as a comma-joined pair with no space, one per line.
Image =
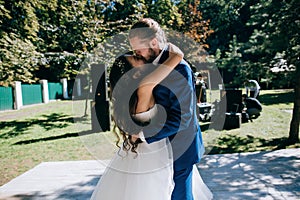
267,40
165,12
19,59
249,36
265,34
57,37
193,24
227,18
275,36
4,13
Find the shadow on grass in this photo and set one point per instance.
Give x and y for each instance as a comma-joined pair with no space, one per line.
48,122
277,98
237,144
67,135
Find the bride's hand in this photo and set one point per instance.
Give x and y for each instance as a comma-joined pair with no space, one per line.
134,137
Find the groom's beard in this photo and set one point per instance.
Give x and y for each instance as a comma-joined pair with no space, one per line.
151,58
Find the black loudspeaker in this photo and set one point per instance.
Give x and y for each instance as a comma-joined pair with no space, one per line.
232,121
100,104
233,100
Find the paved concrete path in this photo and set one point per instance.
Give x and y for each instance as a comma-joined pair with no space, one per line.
258,175
240,176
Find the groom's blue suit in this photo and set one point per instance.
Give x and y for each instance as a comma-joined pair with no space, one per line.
176,94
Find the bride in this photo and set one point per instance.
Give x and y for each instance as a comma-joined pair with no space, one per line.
140,170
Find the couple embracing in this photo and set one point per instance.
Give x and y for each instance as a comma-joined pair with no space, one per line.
154,108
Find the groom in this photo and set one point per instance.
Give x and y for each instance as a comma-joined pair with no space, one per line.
176,94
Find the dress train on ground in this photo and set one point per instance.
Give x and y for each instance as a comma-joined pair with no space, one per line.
147,175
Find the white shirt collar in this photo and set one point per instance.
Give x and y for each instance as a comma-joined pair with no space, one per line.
155,62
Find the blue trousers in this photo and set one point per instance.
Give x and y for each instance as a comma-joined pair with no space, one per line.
183,184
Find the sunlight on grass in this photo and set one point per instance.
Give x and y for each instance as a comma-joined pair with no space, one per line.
58,131
267,132
37,134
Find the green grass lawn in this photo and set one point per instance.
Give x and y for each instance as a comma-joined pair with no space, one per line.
57,131
267,132
39,133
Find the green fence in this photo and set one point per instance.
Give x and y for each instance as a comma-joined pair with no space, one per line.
55,90
32,94
6,98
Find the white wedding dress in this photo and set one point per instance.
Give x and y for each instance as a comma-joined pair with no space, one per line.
147,174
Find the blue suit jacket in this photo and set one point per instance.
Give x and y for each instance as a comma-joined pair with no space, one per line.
177,117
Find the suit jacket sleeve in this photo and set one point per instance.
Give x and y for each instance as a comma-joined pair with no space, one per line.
176,96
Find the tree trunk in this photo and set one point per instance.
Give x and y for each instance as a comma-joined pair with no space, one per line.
294,126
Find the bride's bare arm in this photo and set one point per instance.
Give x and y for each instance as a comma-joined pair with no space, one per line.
144,93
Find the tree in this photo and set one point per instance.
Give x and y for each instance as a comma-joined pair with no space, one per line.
228,21
19,57
278,22
227,18
165,12
63,30
56,36
290,14
195,31
252,38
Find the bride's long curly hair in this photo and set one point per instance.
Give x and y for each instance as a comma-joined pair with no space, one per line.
125,128
123,104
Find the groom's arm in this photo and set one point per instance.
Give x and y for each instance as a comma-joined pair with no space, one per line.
177,96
